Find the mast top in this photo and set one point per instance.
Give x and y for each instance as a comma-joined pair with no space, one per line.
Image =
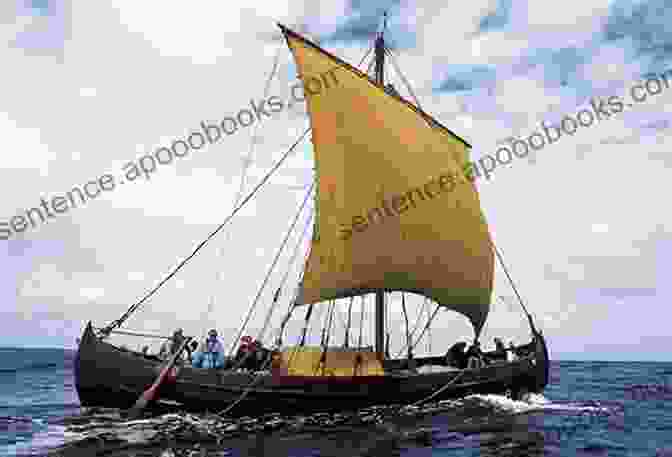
382,30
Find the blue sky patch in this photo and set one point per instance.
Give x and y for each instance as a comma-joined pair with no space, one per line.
498,19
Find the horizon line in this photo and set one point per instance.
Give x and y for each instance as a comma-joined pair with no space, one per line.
561,359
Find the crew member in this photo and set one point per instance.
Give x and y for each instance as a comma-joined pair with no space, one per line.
456,356
499,353
210,354
475,356
171,346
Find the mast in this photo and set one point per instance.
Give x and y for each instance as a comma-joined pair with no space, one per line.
380,294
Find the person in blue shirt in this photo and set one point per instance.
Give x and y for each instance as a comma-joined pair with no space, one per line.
210,354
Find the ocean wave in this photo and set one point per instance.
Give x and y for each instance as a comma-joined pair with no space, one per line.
38,445
35,367
20,420
33,407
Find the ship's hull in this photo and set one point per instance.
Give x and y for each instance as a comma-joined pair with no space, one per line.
110,377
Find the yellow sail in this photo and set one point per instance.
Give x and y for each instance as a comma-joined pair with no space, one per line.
395,211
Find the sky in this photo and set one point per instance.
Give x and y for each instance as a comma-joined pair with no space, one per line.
88,87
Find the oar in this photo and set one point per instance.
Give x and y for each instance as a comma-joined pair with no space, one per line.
150,393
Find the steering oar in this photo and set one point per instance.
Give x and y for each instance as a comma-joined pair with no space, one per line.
152,392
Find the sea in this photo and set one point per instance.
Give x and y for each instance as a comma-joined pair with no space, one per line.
589,409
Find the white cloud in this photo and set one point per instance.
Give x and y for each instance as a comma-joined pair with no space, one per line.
136,276
24,138
87,91
568,15
92,293
600,228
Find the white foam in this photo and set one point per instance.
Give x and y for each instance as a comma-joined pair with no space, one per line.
436,369
576,408
536,402
536,399
503,403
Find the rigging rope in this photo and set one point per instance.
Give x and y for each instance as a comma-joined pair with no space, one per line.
339,316
290,308
254,137
429,336
392,57
306,321
346,344
506,271
361,323
429,322
262,332
416,327
270,270
143,335
388,324
117,323
284,279
408,333
310,324
534,330
368,69
247,161
330,319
